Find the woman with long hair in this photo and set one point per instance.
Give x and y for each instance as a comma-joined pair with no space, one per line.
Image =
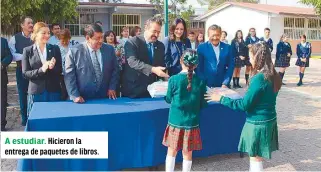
199,39
124,35
249,41
283,55
241,54
303,51
174,47
259,136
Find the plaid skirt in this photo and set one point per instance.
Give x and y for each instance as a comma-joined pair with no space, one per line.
238,62
282,61
182,139
301,63
247,62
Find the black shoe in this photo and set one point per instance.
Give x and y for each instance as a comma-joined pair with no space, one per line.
283,83
238,86
235,86
299,84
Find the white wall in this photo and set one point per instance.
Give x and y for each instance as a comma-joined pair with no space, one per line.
292,3
234,18
277,29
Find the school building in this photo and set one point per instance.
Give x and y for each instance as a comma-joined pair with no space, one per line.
291,20
114,16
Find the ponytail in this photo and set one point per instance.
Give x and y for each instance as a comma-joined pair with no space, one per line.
190,77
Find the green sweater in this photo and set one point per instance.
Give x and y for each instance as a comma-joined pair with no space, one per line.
258,102
185,105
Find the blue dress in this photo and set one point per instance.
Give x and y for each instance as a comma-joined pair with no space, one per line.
173,53
303,51
282,50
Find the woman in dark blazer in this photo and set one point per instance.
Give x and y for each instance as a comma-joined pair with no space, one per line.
41,65
175,46
241,53
303,51
283,55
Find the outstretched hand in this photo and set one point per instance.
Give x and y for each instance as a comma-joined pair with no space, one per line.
213,97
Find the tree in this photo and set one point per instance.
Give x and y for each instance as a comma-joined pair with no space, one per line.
176,9
315,3
214,3
107,1
40,10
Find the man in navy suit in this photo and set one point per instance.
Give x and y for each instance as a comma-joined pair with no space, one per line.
91,68
216,60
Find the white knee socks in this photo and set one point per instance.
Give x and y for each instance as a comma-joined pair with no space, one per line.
170,163
187,165
256,166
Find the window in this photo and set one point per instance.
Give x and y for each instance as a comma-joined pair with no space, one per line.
202,25
295,27
314,29
197,25
76,28
125,20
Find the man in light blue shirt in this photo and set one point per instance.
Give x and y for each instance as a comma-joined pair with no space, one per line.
55,29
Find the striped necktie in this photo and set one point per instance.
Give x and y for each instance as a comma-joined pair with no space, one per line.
98,73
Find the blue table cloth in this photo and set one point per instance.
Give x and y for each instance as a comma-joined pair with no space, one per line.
135,132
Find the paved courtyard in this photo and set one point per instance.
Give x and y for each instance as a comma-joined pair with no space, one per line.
299,120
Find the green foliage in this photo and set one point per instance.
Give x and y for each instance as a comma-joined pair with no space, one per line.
315,3
173,11
40,10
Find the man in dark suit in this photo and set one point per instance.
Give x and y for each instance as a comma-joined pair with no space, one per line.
91,68
6,58
144,61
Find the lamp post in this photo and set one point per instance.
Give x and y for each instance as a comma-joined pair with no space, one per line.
166,16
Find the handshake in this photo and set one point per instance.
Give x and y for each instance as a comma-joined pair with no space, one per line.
49,64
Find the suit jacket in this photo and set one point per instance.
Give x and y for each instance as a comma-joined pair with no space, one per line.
173,53
137,69
80,73
213,72
6,59
40,81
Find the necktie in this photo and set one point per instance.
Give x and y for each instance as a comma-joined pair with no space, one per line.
98,73
150,52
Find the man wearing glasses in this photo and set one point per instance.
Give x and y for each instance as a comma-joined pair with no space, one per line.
91,68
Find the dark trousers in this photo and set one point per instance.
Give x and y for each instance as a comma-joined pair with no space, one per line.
3,104
22,85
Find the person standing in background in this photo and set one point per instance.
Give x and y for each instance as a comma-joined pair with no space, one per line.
303,51
6,59
191,37
223,37
249,41
124,36
267,38
241,50
55,29
199,39
135,31
283,55
64,46
110,38
17,43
